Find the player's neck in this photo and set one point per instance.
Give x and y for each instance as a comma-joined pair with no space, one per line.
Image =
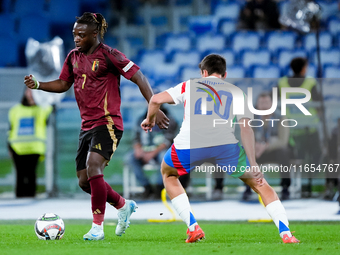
93,48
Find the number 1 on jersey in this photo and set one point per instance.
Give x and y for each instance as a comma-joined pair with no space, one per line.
83,75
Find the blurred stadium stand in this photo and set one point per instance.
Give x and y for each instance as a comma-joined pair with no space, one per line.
167,40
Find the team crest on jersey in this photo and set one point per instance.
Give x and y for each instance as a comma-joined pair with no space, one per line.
75,65
95,65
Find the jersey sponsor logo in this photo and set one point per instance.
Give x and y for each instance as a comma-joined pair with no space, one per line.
95,65
128,66
75,65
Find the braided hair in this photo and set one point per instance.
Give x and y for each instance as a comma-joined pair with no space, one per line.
95,19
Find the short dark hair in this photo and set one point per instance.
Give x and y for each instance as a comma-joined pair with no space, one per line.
213,63
94,19
297,64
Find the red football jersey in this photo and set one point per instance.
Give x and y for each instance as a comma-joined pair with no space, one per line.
96,79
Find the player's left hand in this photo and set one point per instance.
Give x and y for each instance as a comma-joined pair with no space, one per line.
162,120
257,175
147,125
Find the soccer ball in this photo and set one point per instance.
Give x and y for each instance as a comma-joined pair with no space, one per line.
49,226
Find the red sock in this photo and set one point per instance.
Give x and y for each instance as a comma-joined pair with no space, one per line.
98,198
113,198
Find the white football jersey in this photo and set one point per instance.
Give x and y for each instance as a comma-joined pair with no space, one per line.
209,118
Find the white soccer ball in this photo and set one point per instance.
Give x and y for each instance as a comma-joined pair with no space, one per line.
49,226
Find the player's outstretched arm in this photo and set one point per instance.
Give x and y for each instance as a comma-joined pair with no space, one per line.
248,142
155,103
161,119
57,86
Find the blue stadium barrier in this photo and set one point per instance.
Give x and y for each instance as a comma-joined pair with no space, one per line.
64,11
23,7
35,26
8,51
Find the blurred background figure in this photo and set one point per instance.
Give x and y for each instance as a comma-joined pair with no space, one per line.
26,141
148,151
259,14
271,143
304,138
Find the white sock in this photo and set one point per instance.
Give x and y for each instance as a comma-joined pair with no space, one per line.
100,226
123,207
278,213
182,207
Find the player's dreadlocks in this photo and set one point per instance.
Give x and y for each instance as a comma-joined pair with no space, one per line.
95,19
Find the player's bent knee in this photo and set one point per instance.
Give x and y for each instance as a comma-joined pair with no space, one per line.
84,185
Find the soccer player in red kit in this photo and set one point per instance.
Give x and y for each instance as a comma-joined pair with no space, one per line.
94,68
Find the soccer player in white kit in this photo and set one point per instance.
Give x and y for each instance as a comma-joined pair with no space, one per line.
205,140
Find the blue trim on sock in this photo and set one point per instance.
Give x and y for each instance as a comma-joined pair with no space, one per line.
282,227
192,219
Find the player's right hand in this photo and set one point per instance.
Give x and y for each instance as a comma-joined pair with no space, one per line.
147,125
31,82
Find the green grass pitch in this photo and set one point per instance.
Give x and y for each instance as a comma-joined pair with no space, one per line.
18,237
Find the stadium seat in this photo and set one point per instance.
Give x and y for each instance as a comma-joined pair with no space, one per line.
331,56
246,41
334,25
281,40
270,71
331,72
202,24
226,26
236,72
285,57
151,58
111,41
228,55
186,58
329,8
165,71
282,6
177,42
35,26
227,10
210,42
130,92
309,41
64,11
312,70
261,57
159,21
22,7
188,73
8,51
